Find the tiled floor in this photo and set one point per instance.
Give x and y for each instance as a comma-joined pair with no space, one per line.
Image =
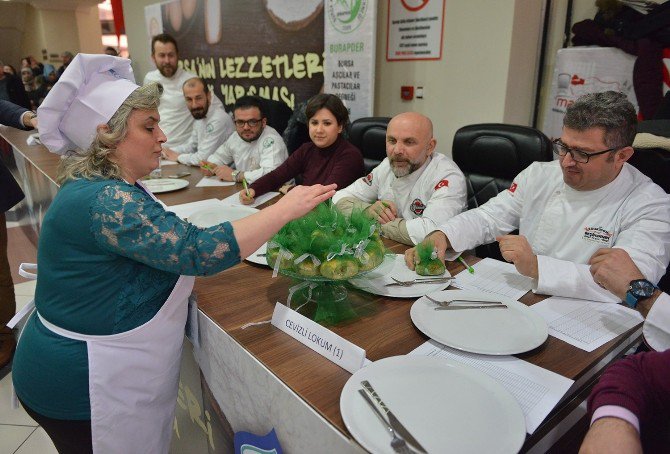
19,434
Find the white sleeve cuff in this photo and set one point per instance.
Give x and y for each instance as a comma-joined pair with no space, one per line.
656,328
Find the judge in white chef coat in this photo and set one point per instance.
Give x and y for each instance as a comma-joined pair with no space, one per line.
97,364
568,209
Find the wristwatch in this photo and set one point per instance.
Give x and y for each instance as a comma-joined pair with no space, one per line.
234,175
639,289
28,118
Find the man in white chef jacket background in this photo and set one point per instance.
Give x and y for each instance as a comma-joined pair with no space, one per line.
211,128
568,209
176,120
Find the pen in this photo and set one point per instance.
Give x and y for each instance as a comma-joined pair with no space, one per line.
470,269
246,187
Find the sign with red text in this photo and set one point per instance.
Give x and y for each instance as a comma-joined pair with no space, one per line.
415,30
349,54
581,70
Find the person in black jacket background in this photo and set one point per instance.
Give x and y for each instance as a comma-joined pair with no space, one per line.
11,89
10,194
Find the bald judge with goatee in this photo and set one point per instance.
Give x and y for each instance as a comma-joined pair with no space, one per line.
414,189
176,119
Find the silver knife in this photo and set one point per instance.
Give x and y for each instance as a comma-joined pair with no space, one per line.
463,307
433,281
393,421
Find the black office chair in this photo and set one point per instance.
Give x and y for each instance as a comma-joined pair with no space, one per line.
277,114
369,135
491,155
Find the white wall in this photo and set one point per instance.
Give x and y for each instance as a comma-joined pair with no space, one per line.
28,29
486,74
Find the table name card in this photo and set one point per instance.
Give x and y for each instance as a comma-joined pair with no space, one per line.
322,340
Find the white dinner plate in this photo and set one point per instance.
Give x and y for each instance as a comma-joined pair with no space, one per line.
158,185
447,406
485,331
259,257
394,266
216,215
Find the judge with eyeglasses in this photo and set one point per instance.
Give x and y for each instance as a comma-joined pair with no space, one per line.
569,209
256,149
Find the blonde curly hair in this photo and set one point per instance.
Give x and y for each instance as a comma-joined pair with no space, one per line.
96,161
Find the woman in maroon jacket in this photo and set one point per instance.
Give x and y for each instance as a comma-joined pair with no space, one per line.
328,158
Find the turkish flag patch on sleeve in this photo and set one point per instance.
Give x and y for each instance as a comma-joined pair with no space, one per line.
512,188
442,184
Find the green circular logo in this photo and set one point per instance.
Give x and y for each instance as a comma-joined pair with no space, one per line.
346,15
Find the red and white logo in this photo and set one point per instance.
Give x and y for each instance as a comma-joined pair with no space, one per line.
512,188
368,179
442,184
417,207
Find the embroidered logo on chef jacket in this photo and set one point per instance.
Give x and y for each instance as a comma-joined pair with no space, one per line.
442,184
368,179
417,207
268,142
512,188
597,235
209,128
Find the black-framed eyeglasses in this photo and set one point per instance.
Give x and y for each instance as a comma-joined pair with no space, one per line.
577,155
252,123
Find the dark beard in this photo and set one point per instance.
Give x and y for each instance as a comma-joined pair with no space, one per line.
199,114
172,70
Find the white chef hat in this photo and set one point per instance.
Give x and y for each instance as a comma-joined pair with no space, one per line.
89,92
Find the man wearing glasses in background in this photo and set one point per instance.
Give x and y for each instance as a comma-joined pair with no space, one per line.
255,150
567,210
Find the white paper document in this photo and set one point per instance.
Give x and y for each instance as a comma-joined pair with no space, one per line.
536,390
212,181
586,324
235,199
494,276
185,210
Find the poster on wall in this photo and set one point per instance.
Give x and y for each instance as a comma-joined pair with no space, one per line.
350,43
586,70
415,30
270,48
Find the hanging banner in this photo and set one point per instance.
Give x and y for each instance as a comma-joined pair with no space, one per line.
349,49
586,70
415,30
269,48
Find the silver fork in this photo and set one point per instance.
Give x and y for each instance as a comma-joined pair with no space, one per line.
479,302
426,280
397,443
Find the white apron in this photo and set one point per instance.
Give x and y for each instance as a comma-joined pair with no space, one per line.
133,376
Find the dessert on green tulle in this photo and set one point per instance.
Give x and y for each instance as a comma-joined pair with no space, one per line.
429,264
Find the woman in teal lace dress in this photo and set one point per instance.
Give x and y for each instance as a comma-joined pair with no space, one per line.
97,363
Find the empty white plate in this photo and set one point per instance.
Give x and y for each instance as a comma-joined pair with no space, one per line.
158,185
447,406
508,331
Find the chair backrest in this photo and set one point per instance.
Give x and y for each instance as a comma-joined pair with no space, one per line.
490,156
369,135
277,113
